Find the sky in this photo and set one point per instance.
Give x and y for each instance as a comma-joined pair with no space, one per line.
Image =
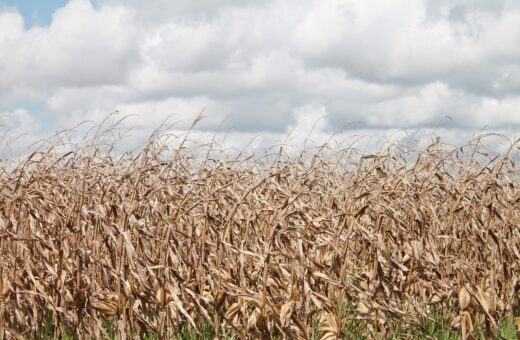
263,69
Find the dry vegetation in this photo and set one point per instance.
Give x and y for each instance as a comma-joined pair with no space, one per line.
321,245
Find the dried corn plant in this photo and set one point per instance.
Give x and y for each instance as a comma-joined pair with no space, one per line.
256,246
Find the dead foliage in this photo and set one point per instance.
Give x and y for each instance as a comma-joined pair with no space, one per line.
258,246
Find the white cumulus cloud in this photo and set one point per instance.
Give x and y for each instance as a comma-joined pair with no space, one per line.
261,67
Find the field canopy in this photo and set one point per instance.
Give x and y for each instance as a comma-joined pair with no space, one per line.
322,242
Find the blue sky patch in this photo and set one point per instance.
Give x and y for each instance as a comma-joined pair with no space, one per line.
35,12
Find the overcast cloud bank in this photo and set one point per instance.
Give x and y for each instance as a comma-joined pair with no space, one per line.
263,66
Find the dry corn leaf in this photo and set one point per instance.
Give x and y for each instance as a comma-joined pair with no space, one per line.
286,312
464,298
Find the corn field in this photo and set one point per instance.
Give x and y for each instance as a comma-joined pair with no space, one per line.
311,246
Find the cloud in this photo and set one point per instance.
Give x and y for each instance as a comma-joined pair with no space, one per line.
81,47
159,11
18,130
11,26
403,43
260,66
